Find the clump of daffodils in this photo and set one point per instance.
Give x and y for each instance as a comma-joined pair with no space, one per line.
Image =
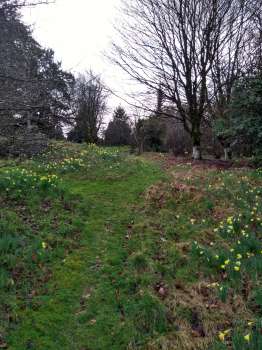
18,182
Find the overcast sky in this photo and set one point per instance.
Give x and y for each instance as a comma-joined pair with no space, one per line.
80,31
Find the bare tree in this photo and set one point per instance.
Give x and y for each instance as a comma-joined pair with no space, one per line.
177,43
90,107
256,37
16,4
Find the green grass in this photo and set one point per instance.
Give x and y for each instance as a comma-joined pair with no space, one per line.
120,254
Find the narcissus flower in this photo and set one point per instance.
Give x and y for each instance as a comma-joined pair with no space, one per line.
247,337
230,220
213,285
222,335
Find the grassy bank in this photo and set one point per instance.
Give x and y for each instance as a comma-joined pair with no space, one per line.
103,250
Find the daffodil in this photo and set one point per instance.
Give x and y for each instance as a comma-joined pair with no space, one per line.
215,284
229,220
247,337
236,268
221,336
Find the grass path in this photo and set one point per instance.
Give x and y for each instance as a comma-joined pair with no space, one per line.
91,292
169,257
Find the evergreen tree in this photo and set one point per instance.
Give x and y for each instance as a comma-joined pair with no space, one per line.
34,90
243,124
246,113
118,132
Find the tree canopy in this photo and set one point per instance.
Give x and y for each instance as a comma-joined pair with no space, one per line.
118,132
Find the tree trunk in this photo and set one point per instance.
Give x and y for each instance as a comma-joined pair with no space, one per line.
227,152
197,153
196,138
140,148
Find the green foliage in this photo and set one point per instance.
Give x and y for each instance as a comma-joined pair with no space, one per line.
118,132
31,77
244,120
246,112
223,130
155,133
257,161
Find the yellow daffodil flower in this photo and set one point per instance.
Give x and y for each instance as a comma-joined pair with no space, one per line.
247,337
221,336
